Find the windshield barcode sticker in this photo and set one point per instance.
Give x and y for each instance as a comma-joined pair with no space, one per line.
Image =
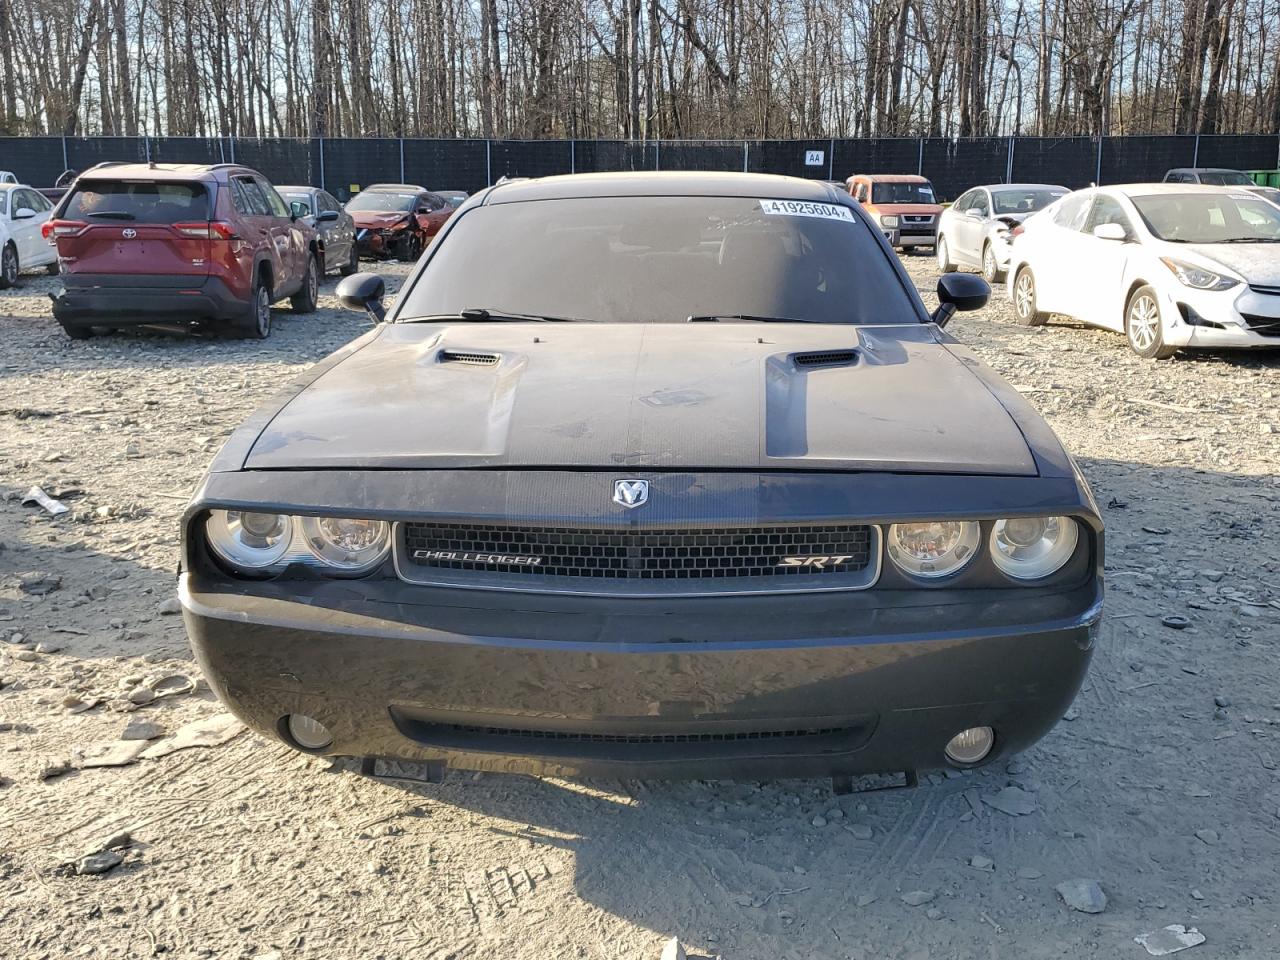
802,208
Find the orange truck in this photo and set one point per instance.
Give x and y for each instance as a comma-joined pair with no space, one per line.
903,205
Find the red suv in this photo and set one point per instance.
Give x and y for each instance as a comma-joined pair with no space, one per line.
146,243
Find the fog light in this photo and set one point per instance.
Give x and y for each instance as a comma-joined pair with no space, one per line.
308,733
970,746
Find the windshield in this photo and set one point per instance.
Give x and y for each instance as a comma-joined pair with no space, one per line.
143,201
1225,178
1209,217
1023,201
902,193
662,260
383,202
4,202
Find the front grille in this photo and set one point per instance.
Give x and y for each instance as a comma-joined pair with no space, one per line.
1267,326
913,218
638,554
1264,289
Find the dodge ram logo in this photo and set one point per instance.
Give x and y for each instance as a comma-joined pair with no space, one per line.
631,493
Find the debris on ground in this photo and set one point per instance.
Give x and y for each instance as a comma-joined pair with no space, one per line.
916,898
1014,801
139,728
51,506
1083,895
1171,939
96,863
209,732
673,950
115,753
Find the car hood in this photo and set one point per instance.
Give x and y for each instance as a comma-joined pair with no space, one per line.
377,221
1258,263
656,396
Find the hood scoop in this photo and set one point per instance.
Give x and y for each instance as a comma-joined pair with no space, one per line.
475,358
825,358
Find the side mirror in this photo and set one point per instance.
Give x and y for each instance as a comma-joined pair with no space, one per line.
327,216
364,291
1110,231
24,213
959,292
299,209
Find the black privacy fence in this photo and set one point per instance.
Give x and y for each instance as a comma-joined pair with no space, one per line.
344,166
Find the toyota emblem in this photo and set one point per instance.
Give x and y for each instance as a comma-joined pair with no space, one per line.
128,233
631,493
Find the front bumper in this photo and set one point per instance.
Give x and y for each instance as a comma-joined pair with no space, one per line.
371,243
1231,319
128,300
909,238
738,688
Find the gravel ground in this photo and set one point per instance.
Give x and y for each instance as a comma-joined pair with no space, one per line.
1163,786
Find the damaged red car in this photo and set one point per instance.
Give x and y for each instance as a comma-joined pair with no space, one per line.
396,220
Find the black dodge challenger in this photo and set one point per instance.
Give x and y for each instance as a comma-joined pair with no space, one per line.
649,475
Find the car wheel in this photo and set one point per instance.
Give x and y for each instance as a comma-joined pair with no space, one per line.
1143,328
990,271
1024,299
8,267
353,262
256,324
304,301
53,269
76,333
944,256
411,249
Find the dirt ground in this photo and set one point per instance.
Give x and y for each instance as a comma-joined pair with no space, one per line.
1162,784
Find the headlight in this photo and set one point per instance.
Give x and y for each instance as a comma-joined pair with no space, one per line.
934,548
889,221
1029,548
1198,278
267,543
347,544
249,540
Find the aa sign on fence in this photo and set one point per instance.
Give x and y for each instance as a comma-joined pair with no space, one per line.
815,158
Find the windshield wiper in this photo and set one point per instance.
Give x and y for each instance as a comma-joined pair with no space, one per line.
717,317
493,315
1249,240
113,215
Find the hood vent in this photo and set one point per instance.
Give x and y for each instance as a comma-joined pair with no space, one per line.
826,358
475,358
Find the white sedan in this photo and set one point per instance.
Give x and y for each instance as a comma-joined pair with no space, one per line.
22,247
975,231
1169,265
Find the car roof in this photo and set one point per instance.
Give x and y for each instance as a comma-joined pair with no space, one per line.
891,177
1148,189
394,188
12,186
1025,186
301,188
161,171
1204,170
660,184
